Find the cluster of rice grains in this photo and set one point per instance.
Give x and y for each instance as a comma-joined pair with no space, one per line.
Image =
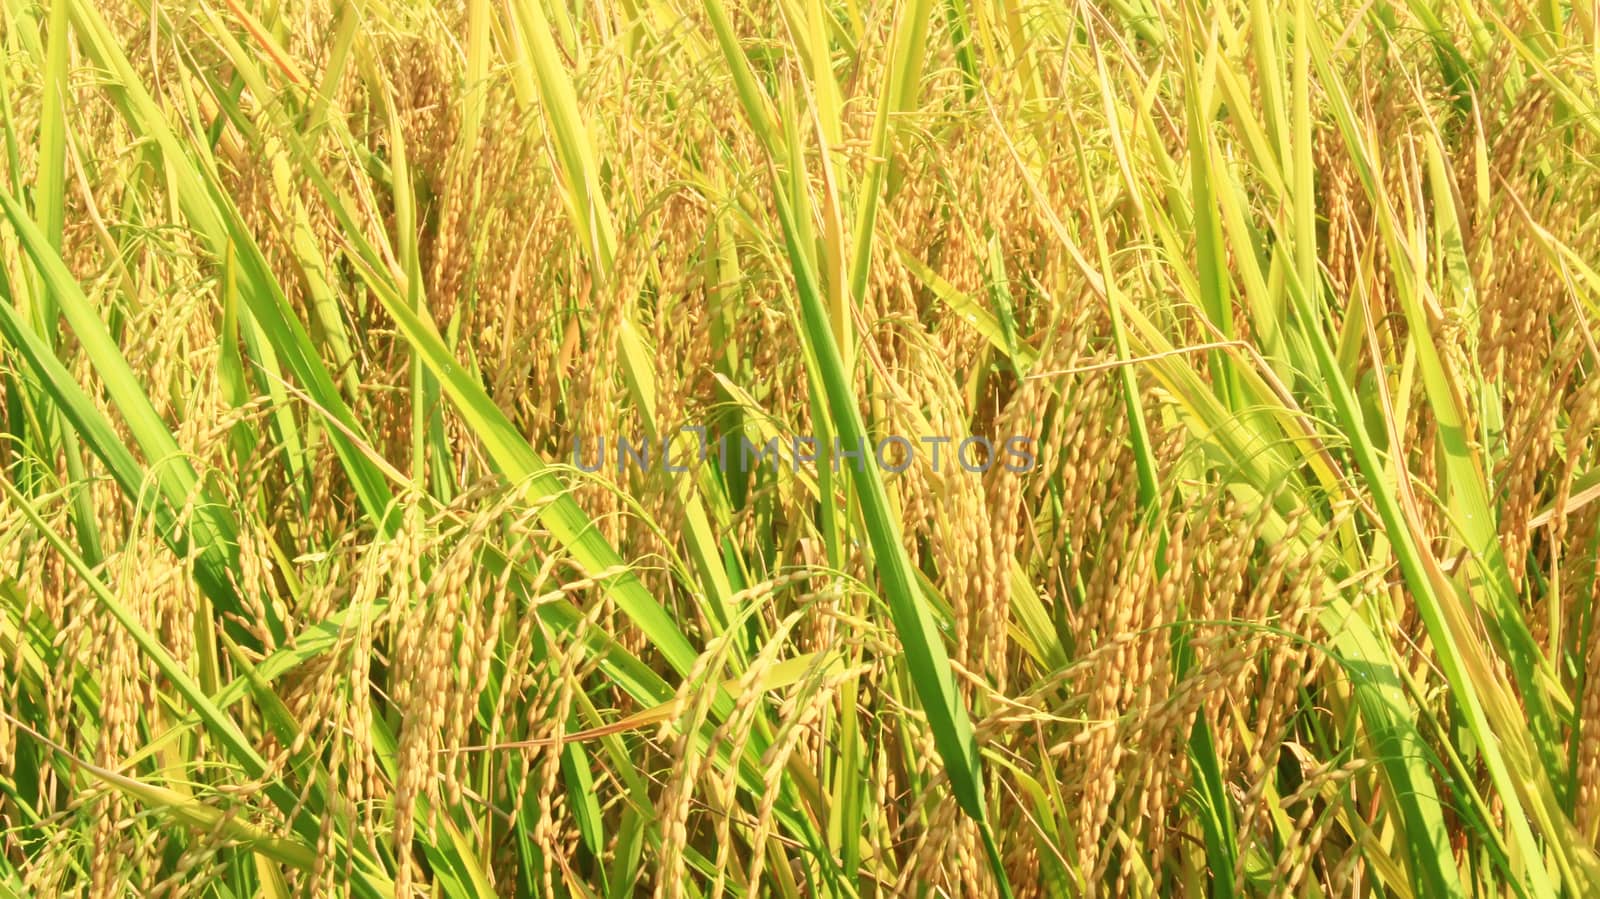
448,696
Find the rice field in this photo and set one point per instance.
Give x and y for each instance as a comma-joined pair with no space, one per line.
692,448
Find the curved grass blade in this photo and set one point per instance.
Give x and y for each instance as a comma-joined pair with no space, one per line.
926,660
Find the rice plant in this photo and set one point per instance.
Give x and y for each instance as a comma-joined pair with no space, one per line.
812,448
